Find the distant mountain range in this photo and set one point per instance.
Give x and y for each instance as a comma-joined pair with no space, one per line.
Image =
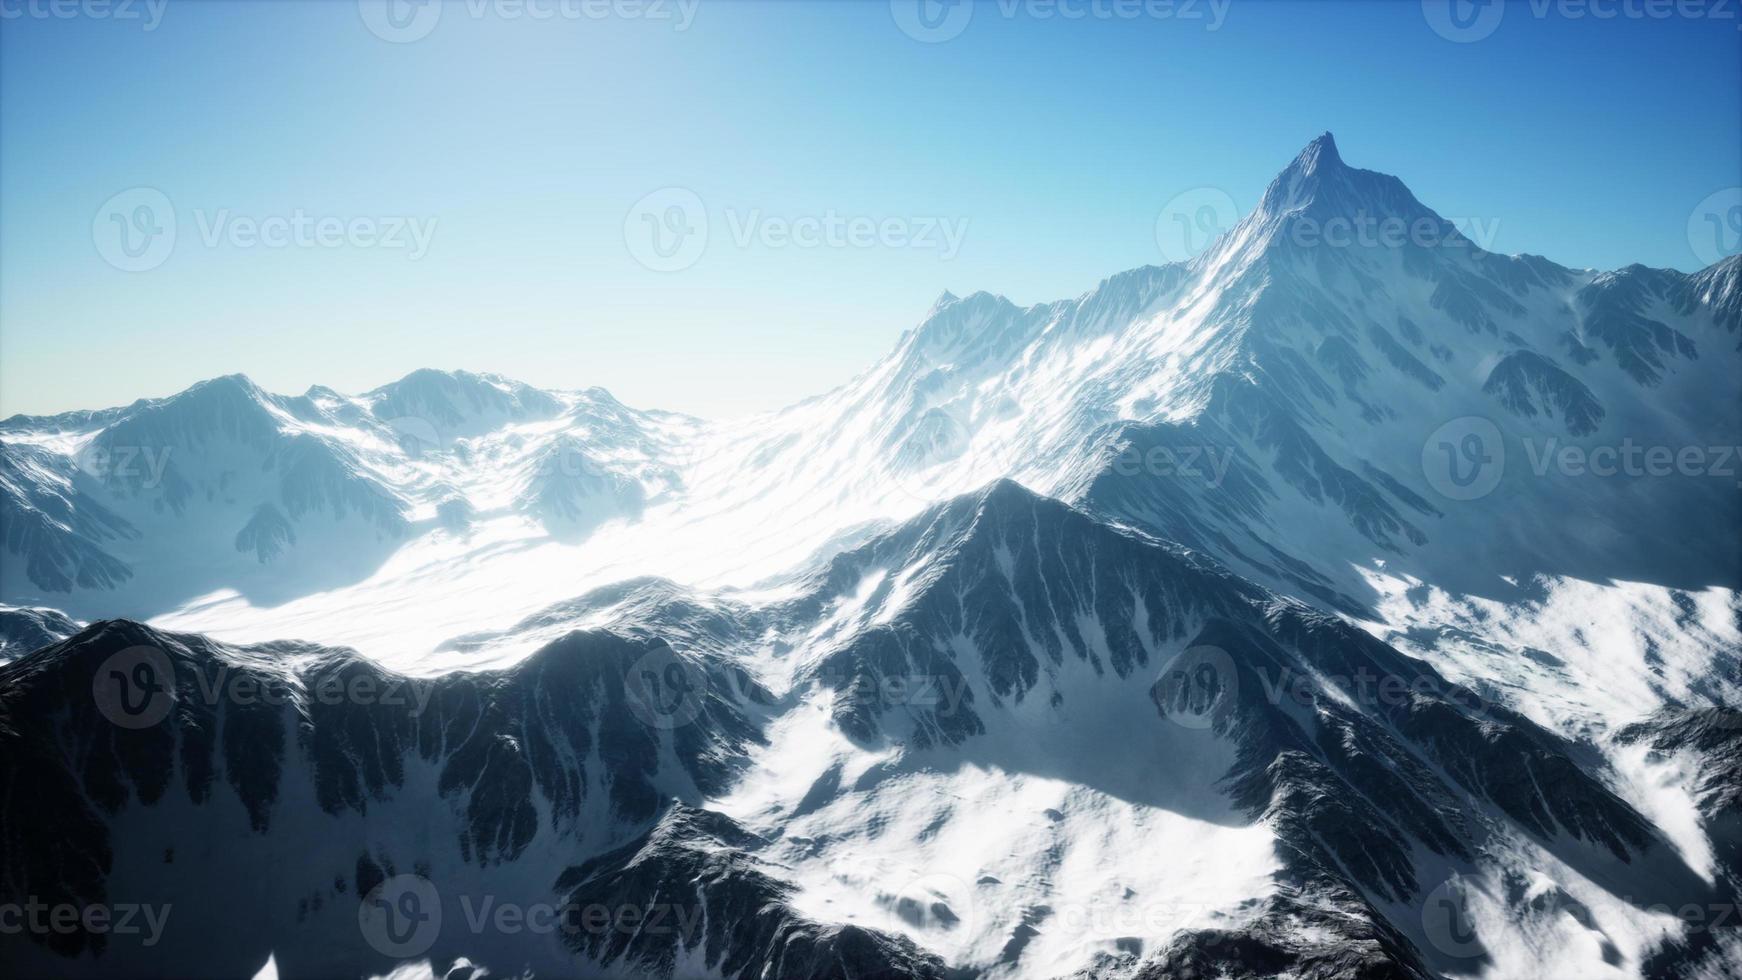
1347,601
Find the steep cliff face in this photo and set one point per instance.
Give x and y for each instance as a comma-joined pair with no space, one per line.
125,743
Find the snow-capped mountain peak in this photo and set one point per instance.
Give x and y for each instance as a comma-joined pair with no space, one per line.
1319,189
460,403
1137,548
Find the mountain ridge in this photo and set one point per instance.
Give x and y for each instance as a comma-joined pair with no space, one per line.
1127,571
1355,792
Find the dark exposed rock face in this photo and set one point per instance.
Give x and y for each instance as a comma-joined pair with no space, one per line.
1018,574
57,531
733,906
514,751
1529,384
1712,738
1290,939
23,630
273,789
1618,317
1326,365
1360,758
584,772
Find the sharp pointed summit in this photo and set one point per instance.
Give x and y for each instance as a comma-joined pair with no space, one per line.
1320,153
1034,556
944,299
1321,186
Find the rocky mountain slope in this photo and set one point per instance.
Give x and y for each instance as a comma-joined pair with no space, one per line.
1003,738
1348,600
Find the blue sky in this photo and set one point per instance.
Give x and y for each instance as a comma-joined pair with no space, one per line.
519,148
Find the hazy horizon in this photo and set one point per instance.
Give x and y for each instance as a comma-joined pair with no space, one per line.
469,192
